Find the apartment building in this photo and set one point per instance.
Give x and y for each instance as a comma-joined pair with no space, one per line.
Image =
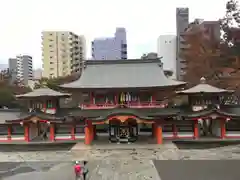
63,53
21,69
166,48
111,48
182,22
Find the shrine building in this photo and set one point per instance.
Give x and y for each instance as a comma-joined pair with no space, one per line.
123,101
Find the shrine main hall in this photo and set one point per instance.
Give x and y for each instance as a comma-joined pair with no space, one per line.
123,101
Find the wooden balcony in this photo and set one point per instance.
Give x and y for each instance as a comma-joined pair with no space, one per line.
128,104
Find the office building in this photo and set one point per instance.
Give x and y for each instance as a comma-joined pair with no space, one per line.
112,48
166,48
182,22
21,69
63,53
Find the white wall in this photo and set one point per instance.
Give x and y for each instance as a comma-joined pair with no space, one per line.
166,48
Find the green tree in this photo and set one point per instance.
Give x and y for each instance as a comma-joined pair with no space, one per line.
54,83
230,25
6,97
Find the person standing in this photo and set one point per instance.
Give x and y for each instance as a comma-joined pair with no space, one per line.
84,170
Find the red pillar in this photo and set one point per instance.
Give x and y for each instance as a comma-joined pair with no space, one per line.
223,129
45,106
26,132
115,99
91,98
87,134
92,131
73,132
154,97
174,127
159,135
195,129
9,132
52,132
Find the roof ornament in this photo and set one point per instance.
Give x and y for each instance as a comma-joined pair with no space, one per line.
203,80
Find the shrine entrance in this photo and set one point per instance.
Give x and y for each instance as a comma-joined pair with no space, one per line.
39,130
123,132
210,128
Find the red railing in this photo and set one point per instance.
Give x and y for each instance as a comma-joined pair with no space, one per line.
147,105
98,106
129,104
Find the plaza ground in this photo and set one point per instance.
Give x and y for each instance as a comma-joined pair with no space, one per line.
132,164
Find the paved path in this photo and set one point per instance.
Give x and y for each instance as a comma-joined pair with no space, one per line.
130,164
100,170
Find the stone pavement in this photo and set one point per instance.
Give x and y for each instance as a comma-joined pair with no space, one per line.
105,170
104,164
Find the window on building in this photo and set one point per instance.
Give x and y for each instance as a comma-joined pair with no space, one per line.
49,104
51,62
17,130
51,69
3,130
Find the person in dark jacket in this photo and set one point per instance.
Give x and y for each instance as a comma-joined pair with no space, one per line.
84,170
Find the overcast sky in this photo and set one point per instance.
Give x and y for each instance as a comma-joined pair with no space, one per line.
23,20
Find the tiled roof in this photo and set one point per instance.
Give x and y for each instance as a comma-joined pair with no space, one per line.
43,92
203,88
123,74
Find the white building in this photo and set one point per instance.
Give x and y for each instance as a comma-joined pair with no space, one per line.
166,48
37,74
21,68
111,48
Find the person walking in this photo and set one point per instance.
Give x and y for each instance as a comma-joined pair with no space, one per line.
77,170
84,170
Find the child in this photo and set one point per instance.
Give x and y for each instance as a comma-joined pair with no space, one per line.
77,169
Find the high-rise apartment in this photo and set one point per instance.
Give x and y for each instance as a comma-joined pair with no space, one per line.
182,22
166,48
112,48
63,53
21,69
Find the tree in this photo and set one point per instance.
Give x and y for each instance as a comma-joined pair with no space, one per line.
230,21
54,83
230,26
201,54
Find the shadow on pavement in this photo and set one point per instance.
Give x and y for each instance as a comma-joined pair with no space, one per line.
202,145
35,147
198,169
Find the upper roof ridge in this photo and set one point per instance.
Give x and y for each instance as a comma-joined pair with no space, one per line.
123,61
